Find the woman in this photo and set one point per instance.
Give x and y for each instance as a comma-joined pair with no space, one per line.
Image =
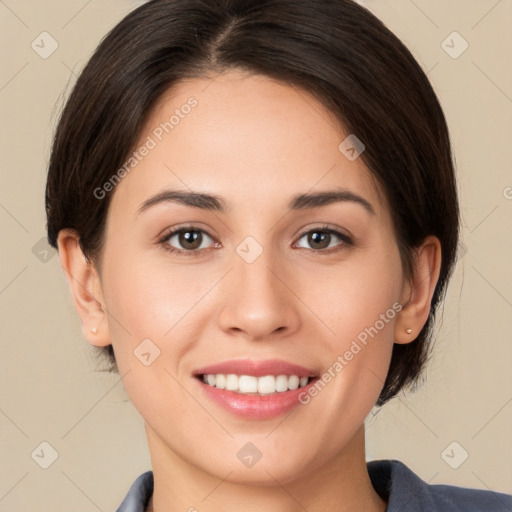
256,210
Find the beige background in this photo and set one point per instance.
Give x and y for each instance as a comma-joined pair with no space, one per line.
50,390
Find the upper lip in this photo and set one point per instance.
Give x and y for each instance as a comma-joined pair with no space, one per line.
256,368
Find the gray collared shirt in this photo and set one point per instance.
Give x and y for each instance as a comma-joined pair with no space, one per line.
393,481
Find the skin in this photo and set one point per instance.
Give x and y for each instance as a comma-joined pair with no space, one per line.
294,302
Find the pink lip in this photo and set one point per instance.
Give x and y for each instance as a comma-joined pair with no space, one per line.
255,406
256,368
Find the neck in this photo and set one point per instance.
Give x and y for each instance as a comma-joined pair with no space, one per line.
341,485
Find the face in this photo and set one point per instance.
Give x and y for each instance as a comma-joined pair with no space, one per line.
253,282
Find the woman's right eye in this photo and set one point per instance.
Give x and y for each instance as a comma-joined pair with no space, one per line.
189,240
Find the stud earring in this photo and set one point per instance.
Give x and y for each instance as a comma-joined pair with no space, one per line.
408,331
94,330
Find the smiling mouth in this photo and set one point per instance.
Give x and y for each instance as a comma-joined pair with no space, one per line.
252,385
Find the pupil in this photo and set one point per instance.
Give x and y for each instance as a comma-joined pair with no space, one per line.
318,238
189,238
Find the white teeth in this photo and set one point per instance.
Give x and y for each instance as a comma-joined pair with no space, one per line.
232,382
281,383
249,384
267,384
293,382
220,381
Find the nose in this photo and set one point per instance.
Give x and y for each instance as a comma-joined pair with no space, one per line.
260,303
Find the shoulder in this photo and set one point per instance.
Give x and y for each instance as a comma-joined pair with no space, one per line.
139,494
404,489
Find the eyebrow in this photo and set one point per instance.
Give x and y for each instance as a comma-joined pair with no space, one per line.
212,202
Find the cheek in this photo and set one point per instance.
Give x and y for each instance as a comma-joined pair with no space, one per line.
153,300
153,323
359,304
356,295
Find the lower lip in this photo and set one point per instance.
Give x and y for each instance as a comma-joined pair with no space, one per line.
255,406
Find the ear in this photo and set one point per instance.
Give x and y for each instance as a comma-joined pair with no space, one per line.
85,286
417,294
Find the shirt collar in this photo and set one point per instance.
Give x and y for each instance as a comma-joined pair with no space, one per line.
382,475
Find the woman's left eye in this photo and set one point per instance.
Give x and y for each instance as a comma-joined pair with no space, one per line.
321,238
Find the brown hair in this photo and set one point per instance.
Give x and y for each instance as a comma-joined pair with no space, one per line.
336,50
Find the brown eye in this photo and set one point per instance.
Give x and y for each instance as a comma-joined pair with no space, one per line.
321,239
186,240
190,239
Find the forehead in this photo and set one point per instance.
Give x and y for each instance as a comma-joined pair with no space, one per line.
245,137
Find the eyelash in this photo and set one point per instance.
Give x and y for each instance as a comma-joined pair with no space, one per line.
347,241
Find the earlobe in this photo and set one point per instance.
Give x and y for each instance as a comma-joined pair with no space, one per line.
85,287
419,291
